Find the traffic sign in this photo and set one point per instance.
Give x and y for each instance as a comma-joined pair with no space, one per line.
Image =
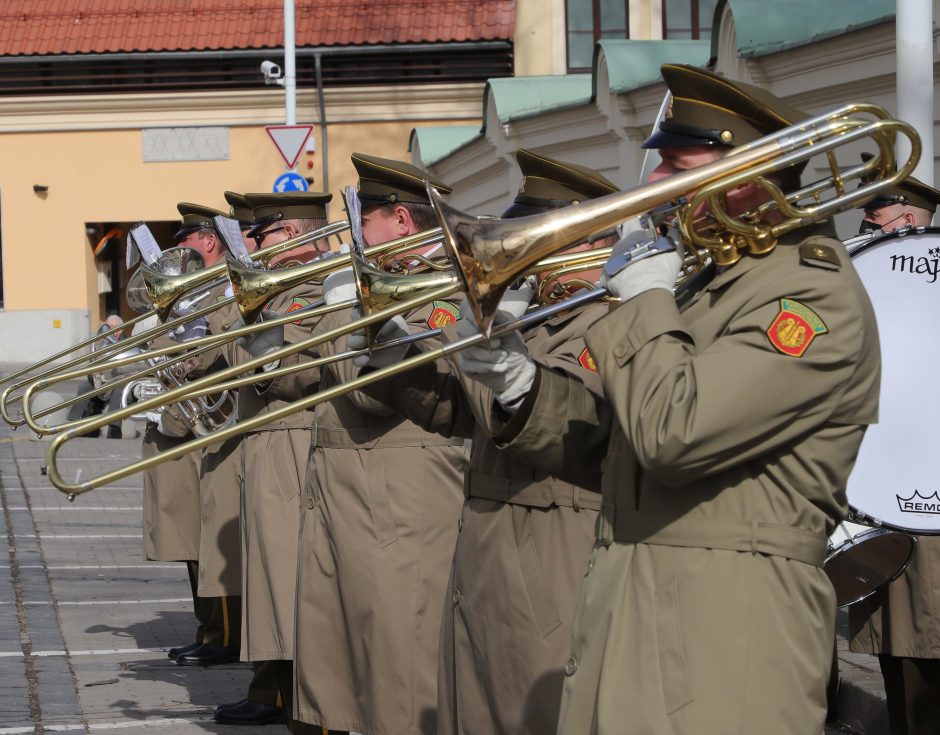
289,140
290,181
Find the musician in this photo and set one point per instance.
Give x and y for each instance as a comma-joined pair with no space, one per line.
171,510
219,547
240,210
273,467
901,622
722,449
380,511
524,536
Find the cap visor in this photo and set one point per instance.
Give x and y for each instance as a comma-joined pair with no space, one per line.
665,139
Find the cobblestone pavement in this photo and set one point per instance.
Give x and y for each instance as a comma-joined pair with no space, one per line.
85,621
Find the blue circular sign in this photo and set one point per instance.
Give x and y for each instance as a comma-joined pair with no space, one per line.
290,181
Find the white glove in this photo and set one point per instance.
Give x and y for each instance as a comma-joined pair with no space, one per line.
656,271
504,366
340,286
265,341
513,304
394,328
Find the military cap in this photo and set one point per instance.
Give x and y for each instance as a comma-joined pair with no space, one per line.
707,109
549,184
382,181
240,209
195,217
911,192
268,208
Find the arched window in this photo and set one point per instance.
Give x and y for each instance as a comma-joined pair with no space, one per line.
588,21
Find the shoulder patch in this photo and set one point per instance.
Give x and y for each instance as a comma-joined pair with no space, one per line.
586,360
296,304
442,314
794,327
819,255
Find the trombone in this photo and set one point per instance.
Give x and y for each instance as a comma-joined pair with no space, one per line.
252,288
164,291
490,255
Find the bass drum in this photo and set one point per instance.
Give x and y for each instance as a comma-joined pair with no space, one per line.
893,489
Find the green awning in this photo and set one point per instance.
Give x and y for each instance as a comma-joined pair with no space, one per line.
635,64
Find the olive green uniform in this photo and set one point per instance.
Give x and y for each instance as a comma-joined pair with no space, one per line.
522,532
722,451
379,522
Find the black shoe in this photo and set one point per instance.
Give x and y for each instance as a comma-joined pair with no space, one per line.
206,655
175,653
229,705
247,712
114,432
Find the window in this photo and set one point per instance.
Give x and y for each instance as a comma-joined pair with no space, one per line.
688,19
588,21
1,263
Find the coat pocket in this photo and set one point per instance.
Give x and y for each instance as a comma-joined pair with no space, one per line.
673,666
543,605
380,506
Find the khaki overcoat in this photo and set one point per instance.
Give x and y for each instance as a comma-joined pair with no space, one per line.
171,500
219,483
904,618
722,450
380,512
274,463
522,532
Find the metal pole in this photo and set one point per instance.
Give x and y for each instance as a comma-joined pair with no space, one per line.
323,147
915,79
290,65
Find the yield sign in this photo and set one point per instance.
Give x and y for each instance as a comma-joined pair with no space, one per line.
289,140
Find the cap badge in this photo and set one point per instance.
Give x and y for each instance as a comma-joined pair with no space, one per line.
794,327
726,137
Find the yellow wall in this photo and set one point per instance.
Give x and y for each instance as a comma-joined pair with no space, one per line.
100,176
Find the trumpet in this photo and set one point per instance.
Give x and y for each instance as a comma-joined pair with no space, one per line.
489,255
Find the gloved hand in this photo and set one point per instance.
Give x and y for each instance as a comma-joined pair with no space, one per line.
655,271
512,305
265,341
340,286
504,366
394,328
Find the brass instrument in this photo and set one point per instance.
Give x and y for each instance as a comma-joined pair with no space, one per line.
490,255
487,251
177,275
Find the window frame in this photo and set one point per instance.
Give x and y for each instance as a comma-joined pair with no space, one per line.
596,19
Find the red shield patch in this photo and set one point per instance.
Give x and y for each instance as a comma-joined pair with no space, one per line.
296,305
794,328
586,360
442,314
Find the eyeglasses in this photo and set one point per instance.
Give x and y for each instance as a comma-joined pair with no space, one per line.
260,237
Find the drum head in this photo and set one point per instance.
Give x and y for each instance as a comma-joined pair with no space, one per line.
862,565
895,481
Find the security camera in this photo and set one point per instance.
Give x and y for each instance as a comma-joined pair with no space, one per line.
272,72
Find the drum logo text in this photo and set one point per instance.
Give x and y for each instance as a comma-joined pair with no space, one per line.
922,265
918,503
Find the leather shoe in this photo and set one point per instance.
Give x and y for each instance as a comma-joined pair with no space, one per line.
174,653
247,712
206,655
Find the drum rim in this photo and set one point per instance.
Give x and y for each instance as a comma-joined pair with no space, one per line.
893,235
854,541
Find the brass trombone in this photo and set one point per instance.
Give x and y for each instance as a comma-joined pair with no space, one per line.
164,290
492,254
252,288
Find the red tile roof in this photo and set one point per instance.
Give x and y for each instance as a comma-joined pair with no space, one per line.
102,26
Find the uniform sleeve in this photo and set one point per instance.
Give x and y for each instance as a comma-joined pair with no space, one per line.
562,428
691,411
431,396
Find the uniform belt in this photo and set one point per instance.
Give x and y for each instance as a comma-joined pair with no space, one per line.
534,493
715,533
339,438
